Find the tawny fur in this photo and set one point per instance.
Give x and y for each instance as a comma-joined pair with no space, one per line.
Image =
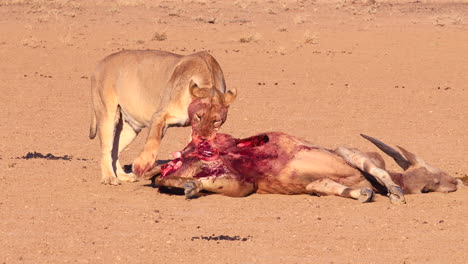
283,164
132,90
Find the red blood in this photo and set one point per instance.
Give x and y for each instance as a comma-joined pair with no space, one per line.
206,152
208,172
170,167
246,159
254,141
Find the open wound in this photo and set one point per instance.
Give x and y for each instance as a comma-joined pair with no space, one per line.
170,167
205,151
253,141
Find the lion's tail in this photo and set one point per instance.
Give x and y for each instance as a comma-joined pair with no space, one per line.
93,125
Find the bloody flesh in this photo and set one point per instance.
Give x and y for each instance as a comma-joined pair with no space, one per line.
253,141
246,159
170,167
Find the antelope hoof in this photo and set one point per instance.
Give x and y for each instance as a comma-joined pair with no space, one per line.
367,195
190,190
395,193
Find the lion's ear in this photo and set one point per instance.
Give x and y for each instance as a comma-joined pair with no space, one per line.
198,92
230,96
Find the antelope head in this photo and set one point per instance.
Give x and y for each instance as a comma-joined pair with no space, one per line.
418,176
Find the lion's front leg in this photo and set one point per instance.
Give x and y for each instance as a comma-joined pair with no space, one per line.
147,158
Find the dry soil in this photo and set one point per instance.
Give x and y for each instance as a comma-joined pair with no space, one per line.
324,71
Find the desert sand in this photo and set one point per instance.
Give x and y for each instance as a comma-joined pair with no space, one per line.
323,71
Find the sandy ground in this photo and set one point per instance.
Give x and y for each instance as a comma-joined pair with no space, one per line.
324,72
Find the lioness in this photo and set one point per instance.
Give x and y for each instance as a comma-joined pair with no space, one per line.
136,89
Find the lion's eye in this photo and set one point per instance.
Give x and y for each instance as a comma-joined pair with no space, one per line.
198,116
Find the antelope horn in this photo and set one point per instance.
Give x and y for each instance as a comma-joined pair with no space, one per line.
399,159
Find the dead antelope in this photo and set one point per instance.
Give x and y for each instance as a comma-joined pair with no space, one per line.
283,164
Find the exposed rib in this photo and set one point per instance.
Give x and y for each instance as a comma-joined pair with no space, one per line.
399,159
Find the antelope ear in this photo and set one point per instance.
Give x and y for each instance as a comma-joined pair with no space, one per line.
198,92
230,96
412,158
